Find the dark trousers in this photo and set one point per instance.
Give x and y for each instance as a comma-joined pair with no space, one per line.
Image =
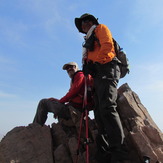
45,106
105,83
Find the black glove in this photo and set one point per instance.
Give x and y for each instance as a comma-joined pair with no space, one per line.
86,69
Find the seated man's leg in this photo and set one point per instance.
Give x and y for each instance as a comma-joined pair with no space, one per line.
45,106
75,115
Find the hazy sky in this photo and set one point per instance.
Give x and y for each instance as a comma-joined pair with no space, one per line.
38,36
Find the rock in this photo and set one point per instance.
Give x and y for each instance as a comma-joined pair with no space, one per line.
142,134
59,136
27,144
59,144
58,154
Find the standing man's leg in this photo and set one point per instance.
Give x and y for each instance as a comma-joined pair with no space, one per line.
100,125
106,91
107,94
105,82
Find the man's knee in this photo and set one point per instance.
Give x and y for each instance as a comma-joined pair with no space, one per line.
43,101
42,105
109,112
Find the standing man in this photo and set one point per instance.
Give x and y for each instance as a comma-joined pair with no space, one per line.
74,97
99,60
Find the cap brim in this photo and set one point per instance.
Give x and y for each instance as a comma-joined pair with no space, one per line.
64,67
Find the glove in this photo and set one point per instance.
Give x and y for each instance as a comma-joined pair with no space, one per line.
86,69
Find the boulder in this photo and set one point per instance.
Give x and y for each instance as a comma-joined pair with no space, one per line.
143,137
27,144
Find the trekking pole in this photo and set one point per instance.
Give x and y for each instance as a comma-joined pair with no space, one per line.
84,116
79,137
86,120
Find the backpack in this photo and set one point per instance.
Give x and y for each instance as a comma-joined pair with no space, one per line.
122,59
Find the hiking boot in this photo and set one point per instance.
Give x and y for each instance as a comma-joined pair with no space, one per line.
118,155
102,157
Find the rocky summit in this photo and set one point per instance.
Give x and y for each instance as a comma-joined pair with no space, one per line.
59,143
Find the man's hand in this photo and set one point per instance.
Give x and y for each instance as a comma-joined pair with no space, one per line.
86,69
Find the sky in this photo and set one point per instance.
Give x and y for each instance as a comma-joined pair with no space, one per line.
37,37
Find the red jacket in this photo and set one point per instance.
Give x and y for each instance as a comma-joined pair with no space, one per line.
76,92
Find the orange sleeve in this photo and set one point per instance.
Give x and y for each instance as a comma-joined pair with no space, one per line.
106,52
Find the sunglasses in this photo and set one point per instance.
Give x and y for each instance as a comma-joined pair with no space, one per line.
69,66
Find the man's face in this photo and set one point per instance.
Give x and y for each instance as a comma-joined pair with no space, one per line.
71,69
86,25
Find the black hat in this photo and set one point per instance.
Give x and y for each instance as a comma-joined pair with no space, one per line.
78,21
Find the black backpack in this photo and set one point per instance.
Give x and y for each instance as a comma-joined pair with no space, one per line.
122,59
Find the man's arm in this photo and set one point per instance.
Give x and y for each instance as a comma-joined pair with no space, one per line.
106,51
75,89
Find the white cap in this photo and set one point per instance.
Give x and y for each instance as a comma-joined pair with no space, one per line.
70,63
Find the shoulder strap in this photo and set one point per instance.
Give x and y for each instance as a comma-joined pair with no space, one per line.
95,38
74,75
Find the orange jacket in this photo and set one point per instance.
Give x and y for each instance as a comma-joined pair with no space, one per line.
104,52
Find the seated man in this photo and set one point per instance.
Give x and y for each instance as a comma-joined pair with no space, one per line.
73,98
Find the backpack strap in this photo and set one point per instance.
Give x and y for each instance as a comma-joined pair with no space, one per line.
74,75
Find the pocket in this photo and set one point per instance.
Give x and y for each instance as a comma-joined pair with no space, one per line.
118,72
111,70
